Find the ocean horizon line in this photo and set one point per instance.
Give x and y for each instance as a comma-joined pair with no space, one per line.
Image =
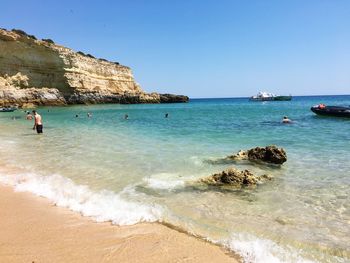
247,97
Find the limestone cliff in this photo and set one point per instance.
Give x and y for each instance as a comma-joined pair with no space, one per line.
44,73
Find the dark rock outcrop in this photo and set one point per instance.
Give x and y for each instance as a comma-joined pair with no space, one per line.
172,98
234,177
269,154
138,98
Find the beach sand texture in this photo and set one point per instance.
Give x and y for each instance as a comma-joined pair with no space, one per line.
34,230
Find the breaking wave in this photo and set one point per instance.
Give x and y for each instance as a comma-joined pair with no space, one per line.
101,206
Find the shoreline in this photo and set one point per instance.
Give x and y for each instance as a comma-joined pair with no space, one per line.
35,230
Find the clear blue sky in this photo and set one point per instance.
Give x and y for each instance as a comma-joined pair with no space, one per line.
204,48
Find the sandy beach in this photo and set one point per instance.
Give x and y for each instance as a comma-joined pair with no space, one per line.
34,230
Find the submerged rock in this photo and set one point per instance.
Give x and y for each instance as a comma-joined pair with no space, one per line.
268,154
234,177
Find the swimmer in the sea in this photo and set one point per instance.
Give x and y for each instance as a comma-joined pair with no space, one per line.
29,116
286,120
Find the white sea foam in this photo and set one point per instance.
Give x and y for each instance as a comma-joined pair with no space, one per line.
164,181
196,160
256,250
109,206
101,206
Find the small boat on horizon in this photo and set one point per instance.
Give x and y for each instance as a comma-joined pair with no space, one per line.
335,111
267,96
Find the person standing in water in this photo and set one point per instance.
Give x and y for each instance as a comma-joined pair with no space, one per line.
38,125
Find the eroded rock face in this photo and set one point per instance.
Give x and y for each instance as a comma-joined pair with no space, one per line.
73,76
32,96
14,91
269,154
234,177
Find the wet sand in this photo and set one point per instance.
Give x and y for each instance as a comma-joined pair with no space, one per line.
34,230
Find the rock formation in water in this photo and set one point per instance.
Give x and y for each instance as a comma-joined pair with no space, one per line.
234,177
41,72
269,154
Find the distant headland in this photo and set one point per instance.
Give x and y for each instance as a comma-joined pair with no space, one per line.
39,72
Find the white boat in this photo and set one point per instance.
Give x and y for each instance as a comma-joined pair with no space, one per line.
8,109
267,96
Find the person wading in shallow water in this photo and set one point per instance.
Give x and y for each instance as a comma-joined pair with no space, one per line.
38,125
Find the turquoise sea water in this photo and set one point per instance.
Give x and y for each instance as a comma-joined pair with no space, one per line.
144,168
